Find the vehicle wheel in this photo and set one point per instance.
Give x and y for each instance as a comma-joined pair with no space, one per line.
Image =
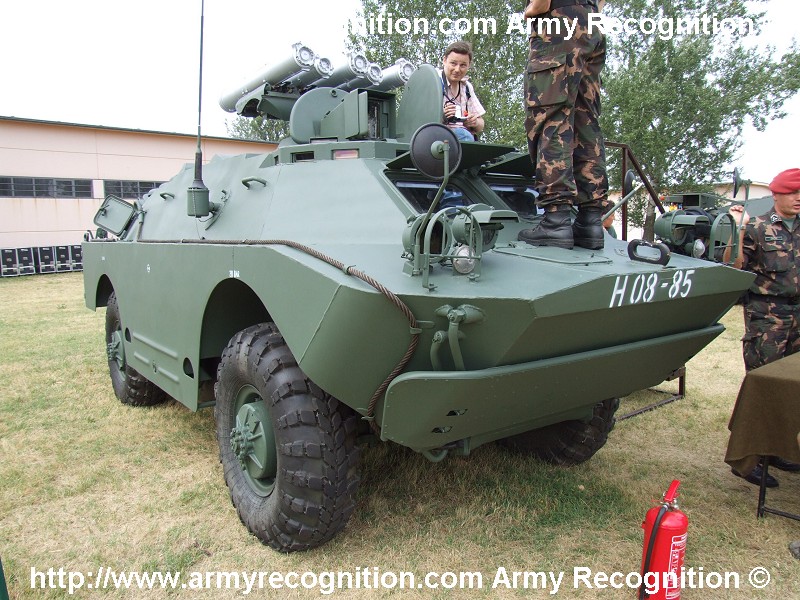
570,442
287,448
129,385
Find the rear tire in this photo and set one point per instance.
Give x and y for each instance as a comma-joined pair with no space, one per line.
570,442
129,385
287,448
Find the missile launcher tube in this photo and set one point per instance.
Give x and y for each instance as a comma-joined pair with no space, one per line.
301,60
395,75
370,79
317,74
356,67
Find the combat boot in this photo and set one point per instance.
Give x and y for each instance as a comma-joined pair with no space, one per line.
587,230
555,229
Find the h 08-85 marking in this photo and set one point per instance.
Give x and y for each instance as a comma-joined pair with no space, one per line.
646,287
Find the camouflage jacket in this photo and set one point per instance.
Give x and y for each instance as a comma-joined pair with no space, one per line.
772,252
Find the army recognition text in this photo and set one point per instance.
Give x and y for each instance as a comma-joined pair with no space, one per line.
664,27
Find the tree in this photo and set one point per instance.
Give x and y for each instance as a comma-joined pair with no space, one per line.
499,56
681,100
258,128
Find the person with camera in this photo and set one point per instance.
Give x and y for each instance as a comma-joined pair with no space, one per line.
463,112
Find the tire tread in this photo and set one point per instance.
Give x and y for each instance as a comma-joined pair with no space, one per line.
571,442
130,386
317,474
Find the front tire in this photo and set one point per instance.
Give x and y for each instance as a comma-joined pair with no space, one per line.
287,448
129,385
570,442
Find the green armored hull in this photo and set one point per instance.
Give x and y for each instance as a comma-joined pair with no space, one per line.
331,287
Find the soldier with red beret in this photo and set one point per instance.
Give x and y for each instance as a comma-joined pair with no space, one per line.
770,248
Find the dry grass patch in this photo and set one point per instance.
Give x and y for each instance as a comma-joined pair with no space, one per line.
87,482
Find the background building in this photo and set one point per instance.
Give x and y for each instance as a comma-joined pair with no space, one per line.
54,176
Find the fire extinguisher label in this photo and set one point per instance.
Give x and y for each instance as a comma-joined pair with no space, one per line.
676,553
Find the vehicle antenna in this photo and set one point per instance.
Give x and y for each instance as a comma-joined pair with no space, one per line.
198,195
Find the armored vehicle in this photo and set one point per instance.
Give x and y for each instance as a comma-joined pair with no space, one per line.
699,224
365,278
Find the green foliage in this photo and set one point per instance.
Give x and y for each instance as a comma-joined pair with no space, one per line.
498,59
258,128
681,102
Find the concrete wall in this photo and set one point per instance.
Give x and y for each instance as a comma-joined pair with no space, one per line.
30,148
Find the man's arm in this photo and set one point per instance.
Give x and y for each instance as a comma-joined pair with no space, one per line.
474,124
738,214
474,121
536,7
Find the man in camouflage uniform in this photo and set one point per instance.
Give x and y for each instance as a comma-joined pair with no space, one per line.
770,248
562,100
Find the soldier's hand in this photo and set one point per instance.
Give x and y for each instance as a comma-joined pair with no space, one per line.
536,7
738,212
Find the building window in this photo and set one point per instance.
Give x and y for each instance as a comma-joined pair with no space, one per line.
129,189
39,187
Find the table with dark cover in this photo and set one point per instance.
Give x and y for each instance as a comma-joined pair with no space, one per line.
766,417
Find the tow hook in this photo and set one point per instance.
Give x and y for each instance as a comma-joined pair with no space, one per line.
464,314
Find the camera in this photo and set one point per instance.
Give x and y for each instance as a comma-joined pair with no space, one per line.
458,117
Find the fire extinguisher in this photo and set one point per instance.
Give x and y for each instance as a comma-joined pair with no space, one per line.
665,529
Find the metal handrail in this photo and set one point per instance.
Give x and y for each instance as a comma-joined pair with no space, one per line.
627,154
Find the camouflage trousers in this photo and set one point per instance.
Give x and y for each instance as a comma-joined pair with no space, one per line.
772,331
562,102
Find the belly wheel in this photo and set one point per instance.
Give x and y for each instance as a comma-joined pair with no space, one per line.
129,385
569,442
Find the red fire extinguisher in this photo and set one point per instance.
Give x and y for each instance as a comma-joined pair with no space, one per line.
665,529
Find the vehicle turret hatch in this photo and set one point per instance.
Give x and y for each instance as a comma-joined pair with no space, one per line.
512,164
472,154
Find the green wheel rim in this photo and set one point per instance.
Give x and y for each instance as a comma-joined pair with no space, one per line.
116,349
253,441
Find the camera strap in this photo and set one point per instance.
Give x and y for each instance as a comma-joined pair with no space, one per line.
446,89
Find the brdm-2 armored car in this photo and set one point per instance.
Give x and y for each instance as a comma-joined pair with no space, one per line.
365,276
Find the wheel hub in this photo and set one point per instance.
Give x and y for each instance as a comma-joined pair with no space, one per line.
115,349
241,444
253,443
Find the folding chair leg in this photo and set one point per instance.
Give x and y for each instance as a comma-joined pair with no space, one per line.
762,490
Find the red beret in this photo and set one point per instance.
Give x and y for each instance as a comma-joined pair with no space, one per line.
786,182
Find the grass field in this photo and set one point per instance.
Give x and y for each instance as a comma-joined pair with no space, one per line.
87,483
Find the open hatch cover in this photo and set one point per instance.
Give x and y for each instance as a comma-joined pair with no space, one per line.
472,154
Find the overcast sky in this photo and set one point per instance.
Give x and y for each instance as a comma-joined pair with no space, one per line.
135,64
